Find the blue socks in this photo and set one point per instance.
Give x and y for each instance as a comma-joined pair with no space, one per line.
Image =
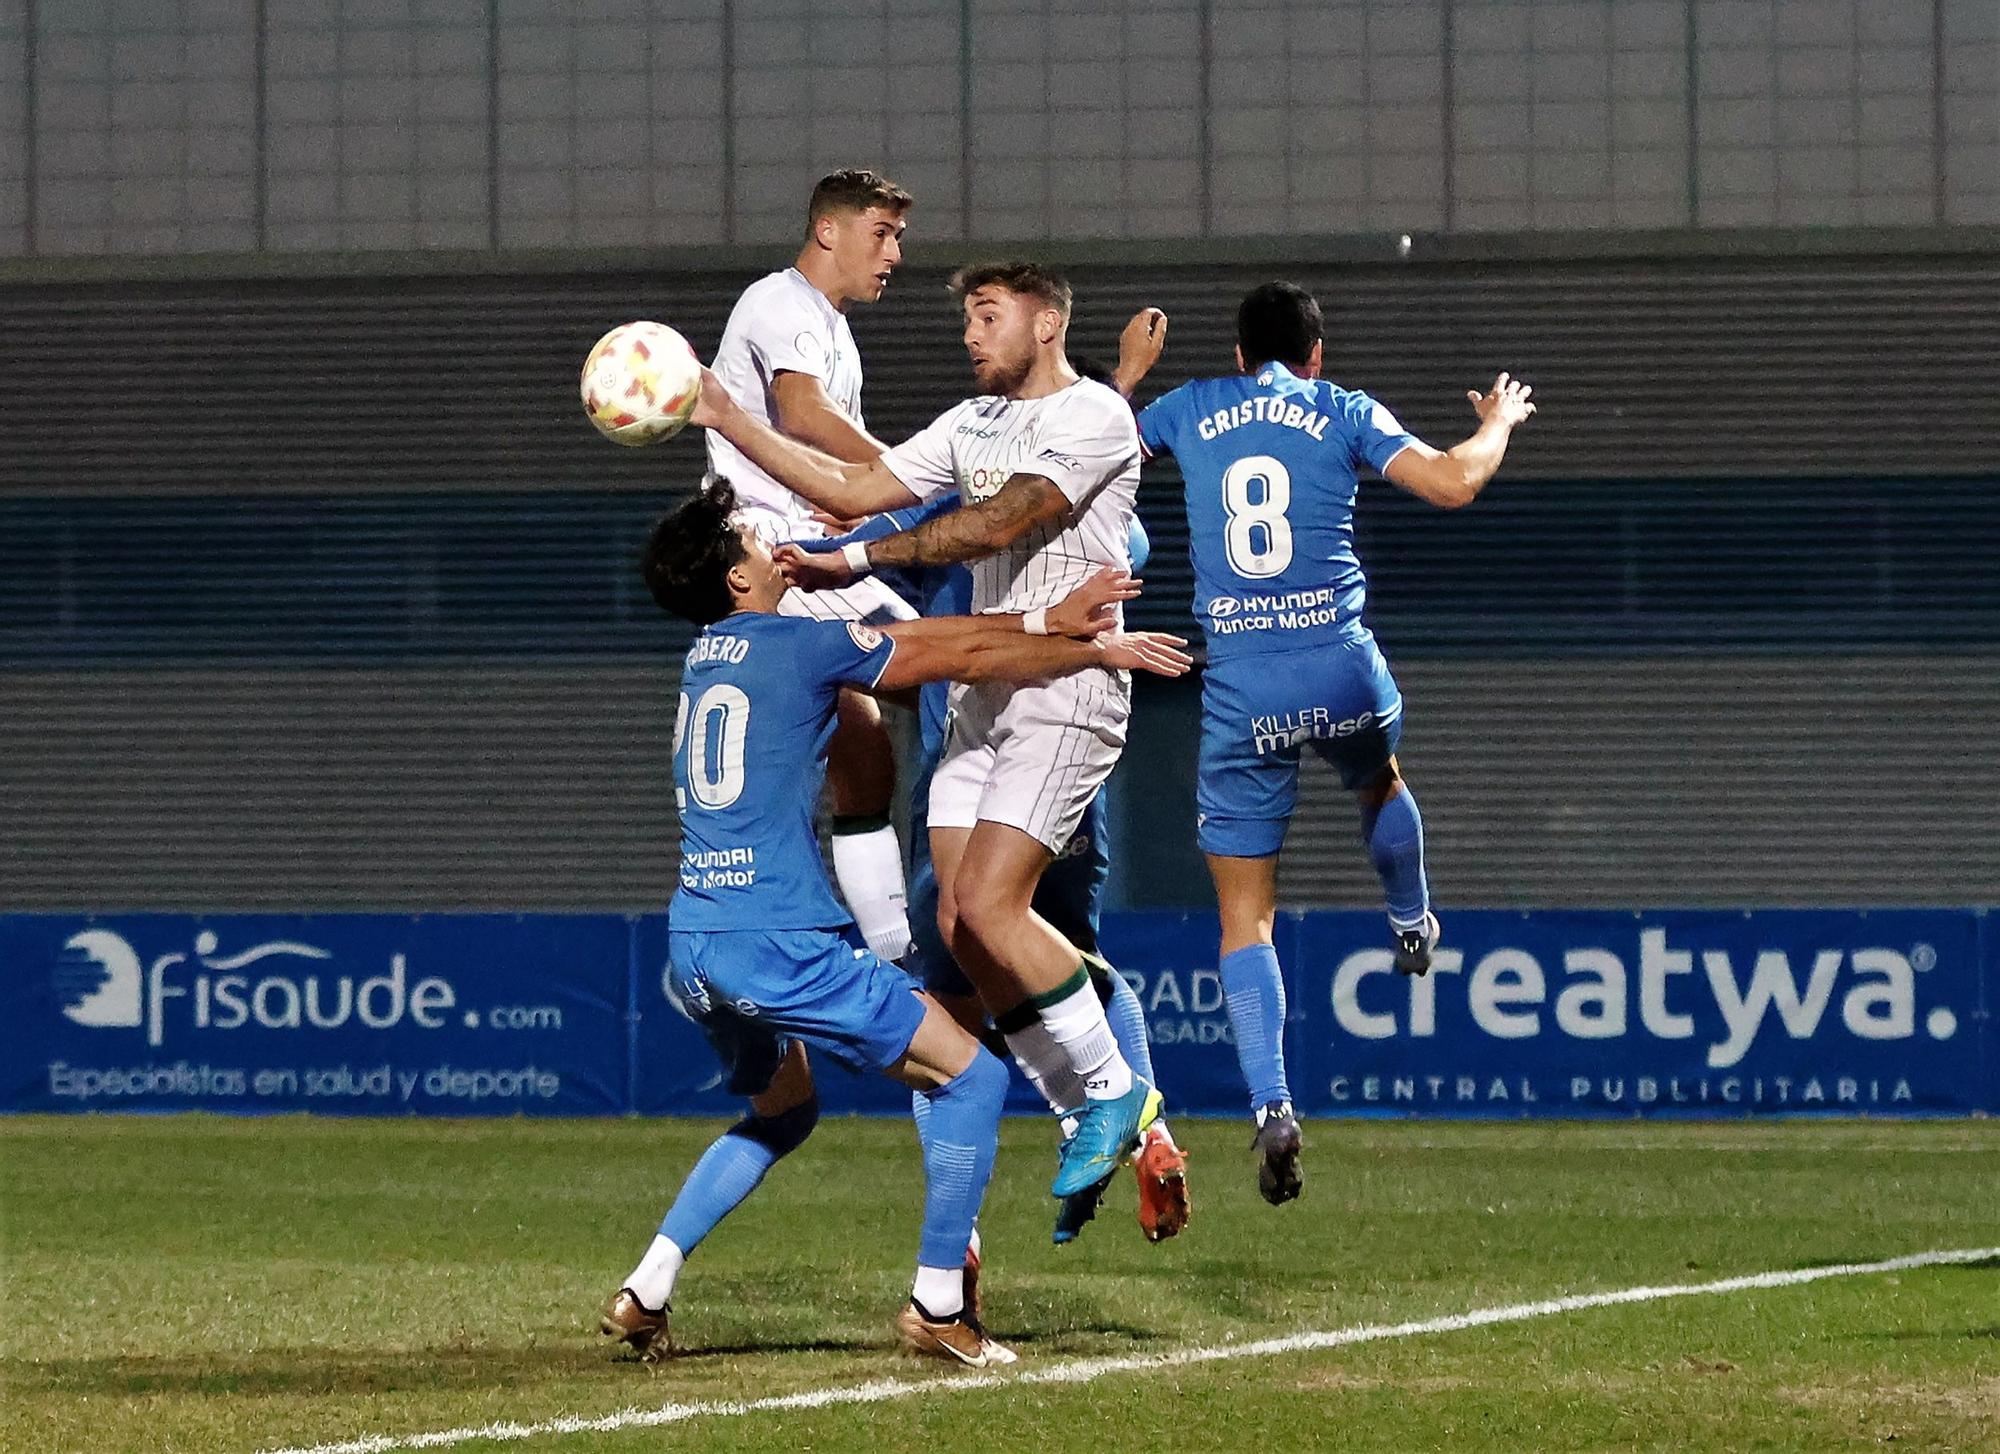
1396,846
1255,994
1128,1020
960,1133
730,1170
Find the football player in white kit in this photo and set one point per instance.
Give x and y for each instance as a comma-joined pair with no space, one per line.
1047,464
788,357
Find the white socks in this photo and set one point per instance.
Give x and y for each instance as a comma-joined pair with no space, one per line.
869,866
652,1281
1076,1023
940,1291
1047,1068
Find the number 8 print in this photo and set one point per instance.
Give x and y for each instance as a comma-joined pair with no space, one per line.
1247,515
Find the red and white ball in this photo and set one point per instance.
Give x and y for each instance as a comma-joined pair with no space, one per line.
640,383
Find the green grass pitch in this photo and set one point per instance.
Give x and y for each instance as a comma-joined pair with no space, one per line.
213,1285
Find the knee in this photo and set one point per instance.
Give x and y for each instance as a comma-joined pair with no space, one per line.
947,920
984,1081
783,1133
1248,924
980,909
1384,785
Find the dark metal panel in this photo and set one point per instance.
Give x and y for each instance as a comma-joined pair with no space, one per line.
1690,781
487,786
1539,566
1724,780
1686,368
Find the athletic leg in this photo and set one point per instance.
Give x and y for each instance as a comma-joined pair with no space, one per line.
781,1117
1254,991
867,857
1393,829
963,1087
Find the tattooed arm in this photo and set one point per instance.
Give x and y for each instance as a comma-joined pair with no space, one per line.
981,529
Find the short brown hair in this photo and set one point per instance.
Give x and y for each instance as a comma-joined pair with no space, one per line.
1030,280
855,189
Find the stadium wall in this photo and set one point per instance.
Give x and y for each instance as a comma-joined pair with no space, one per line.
288,126
327,601
1672,1013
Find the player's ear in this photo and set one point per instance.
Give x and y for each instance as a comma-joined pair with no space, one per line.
1048,326
1241,367
737,579
1316,359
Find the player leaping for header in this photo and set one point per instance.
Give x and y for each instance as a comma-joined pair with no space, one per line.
1070,893
761,955
1271,458
1047,465
788,356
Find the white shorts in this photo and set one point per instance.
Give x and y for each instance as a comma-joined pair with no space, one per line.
1031,757
866,600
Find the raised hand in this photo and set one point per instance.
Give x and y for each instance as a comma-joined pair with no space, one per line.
1508,403
1152,651
714,404
812,570
1086,611
1139,348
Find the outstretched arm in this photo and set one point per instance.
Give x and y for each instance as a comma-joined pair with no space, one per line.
996,648
967,533
980,529
806,414
1454,477
848,490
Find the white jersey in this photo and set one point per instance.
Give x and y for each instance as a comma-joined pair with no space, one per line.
781,324
1082,438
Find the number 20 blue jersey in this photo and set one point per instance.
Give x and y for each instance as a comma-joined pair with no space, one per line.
750,736
1272,464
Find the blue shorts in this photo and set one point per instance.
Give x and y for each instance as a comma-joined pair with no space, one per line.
1070,895
754,991
1257,712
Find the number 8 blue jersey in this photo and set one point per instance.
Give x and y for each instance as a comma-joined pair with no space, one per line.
750,736
1272,465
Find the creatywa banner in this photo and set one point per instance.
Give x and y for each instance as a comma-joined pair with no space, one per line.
1549,1013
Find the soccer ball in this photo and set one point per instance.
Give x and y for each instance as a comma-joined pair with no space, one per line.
640,383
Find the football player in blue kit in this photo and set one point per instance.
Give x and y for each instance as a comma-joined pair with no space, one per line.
1271,457
1069,896
761,954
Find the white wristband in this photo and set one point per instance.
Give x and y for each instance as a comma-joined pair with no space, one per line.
856,556
1036,622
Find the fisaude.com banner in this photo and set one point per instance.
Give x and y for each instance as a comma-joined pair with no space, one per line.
1551,1013
470,1014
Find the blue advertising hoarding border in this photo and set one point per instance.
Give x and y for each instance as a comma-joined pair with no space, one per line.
1884,1011
1989,1004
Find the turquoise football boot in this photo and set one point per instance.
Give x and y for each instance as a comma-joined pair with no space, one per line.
1106,1133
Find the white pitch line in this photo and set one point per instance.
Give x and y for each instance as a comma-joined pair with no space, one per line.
1086,1370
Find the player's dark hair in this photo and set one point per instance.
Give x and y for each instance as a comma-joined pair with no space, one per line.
855,189
687,558
1278,322
1030,280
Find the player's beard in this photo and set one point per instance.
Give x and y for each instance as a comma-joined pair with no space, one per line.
1004,375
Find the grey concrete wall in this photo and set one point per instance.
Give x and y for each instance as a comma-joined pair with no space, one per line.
173,126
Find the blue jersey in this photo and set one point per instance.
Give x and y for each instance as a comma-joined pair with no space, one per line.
1272,465
750,737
